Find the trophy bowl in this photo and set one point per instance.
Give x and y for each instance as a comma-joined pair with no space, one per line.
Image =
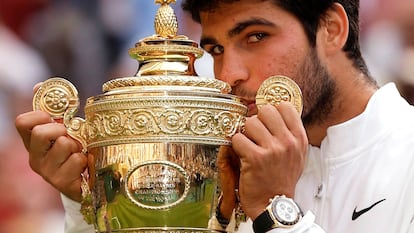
154,150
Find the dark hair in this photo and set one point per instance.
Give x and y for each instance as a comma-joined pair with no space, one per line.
310,13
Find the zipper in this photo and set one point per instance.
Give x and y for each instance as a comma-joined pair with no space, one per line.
320,194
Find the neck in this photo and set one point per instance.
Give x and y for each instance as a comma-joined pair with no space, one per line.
350,101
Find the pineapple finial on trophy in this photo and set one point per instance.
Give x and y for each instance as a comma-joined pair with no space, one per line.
165,23
166,53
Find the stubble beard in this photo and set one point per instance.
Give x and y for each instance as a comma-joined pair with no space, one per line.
318,89
317,86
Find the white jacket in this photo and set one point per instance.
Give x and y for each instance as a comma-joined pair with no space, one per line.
361,179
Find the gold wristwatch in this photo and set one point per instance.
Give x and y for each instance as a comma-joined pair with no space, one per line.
282,212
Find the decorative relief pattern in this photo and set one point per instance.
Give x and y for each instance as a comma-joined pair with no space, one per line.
277,95
142,122
229,124
133,118
168,230
146,50
202,122
56,96
172,121
184,81
56,100
277,89
145,124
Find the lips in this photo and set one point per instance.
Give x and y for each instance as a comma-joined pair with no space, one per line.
251,106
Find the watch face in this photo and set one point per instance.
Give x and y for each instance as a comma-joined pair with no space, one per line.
285,211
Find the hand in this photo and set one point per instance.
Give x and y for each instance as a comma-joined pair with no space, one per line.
272,155
229,168
52,153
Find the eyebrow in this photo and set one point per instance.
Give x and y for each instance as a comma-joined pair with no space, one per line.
237,29
207,40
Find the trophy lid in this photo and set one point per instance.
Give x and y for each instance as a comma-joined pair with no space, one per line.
166,59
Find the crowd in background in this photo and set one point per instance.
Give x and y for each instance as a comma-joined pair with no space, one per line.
86,42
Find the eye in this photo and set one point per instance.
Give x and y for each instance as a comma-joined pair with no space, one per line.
256,37
215,50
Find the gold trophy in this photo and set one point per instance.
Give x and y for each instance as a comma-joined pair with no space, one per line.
153,139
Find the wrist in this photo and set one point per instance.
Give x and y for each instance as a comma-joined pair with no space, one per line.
226,207
253,214
253,210
223,212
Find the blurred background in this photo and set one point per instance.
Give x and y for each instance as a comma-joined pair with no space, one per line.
87,42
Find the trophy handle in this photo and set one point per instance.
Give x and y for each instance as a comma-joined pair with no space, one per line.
59,98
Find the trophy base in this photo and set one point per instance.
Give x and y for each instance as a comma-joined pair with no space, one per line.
164,230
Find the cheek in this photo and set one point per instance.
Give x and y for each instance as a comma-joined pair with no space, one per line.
286,66
216,67
282,60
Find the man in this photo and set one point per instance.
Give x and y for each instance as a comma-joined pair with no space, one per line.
347,162
316,44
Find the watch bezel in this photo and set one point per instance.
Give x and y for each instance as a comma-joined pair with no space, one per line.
279,220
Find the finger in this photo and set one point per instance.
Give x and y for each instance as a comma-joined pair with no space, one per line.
272,120
43,137
227,162
244,148
74,166
228,159
291,118
234,161
256,131
68,177
25,122
37,86
283,122
63,147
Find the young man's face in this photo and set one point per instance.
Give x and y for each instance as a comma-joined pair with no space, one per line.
251,40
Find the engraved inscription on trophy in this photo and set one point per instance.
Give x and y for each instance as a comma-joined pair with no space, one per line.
157,185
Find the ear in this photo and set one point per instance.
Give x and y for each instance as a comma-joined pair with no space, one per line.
334,29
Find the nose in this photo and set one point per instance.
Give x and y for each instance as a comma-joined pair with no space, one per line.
231,69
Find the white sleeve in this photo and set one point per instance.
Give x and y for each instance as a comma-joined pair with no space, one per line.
411,227
214,224
74,222
305,225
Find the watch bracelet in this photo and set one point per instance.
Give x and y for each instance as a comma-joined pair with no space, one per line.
240,216
260,225
223,221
